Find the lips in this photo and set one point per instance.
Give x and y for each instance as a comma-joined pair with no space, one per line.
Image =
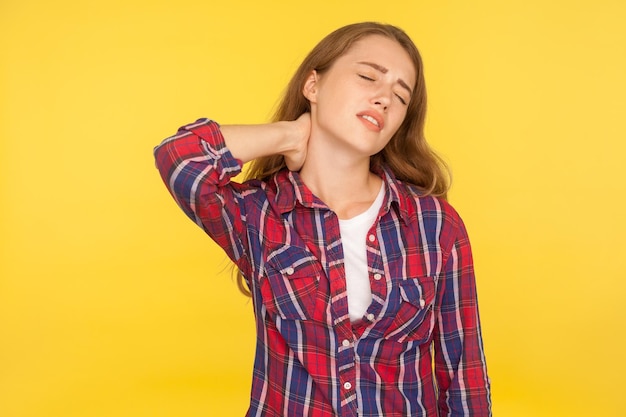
372,120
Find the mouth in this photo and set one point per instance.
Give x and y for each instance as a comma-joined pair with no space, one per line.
372,120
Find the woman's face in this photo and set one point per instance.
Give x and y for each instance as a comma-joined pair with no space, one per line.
361,101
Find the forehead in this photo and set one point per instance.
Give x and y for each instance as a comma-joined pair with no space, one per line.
383,51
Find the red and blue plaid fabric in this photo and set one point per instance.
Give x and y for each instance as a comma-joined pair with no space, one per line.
417,351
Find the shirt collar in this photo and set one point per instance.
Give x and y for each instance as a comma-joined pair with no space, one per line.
290,190
396,193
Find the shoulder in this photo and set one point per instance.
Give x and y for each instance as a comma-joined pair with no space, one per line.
435,218
277,191
416,203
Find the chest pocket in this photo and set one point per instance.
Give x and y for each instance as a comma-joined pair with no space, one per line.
415,319
290,285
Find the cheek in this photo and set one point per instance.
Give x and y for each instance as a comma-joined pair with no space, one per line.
331,102
398,120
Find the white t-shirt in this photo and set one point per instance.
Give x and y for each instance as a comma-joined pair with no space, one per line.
353,234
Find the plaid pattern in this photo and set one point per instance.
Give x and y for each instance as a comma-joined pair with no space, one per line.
416,352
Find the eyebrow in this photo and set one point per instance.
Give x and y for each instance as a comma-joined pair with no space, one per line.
384,71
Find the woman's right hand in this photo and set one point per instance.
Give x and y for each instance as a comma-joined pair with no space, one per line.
287,138
298,136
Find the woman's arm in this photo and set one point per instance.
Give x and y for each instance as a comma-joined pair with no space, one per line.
460,368
248,142
197,165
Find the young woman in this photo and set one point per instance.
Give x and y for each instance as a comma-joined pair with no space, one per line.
360,272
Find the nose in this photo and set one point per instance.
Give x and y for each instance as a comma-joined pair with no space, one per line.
382,98
381,104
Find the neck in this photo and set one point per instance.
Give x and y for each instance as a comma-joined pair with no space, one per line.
343,182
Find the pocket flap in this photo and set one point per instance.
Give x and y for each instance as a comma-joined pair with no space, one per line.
293,262
418,291
290,286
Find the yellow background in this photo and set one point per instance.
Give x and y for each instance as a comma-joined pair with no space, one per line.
112,303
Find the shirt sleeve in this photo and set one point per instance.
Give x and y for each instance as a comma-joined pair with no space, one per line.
196,167
460,367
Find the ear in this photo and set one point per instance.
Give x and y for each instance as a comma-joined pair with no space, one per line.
309,90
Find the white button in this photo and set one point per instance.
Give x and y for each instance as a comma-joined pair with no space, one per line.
346,343
422,302
370,317
347,385
377,277
372,238
289,271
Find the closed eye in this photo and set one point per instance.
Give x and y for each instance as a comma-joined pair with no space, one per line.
401,99
365,77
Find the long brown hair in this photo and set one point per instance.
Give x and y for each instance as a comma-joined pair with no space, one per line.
407,154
